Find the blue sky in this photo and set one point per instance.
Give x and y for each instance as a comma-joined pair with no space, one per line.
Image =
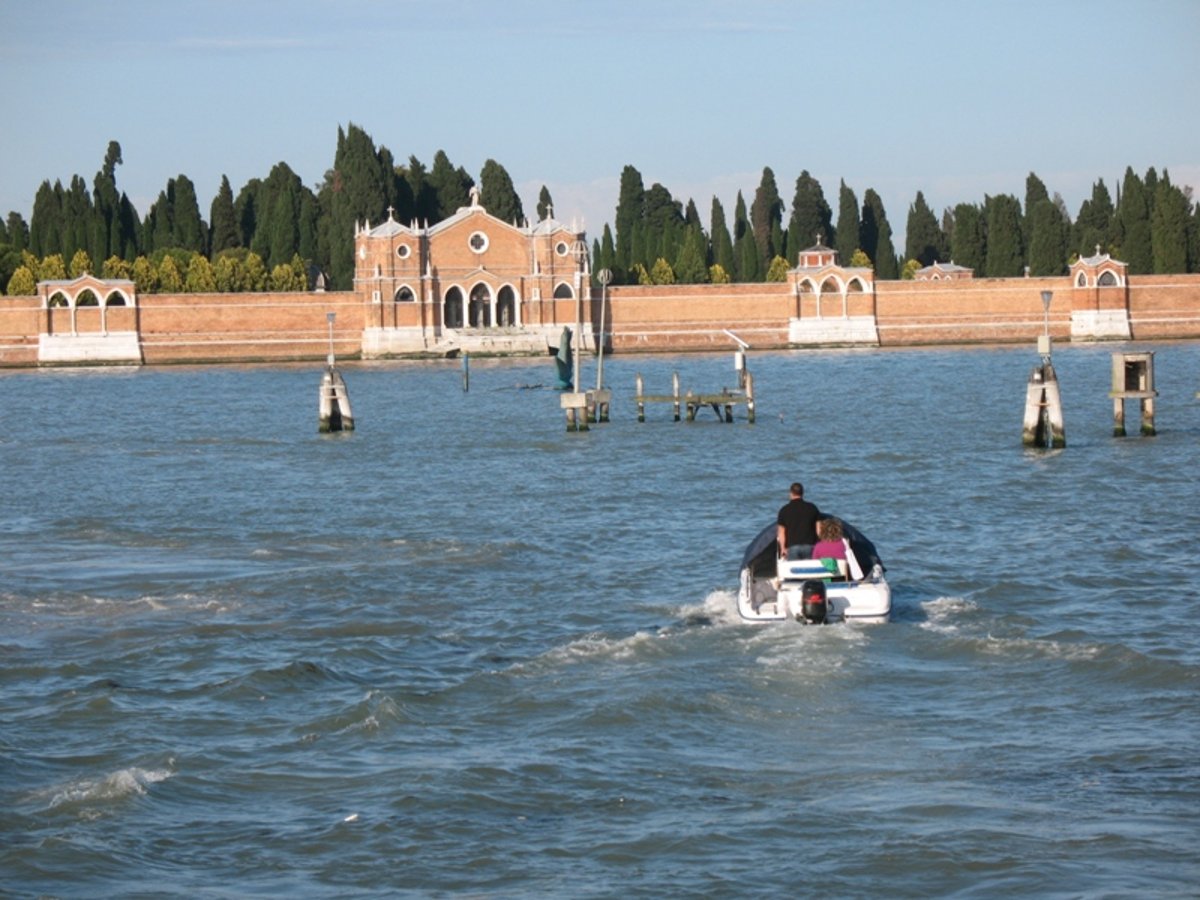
955,99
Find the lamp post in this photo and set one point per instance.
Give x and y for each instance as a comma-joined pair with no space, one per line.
1044,340
579,251
329,318
604,276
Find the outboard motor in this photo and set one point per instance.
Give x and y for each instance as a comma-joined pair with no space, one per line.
813,604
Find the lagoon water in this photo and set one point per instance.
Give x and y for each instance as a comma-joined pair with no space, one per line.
463,652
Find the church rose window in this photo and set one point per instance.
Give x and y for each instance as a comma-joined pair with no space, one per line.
403,251
478,241
561,248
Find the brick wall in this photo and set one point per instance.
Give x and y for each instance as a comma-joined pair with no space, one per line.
197,328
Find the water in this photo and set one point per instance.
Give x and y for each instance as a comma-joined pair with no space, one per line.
462,651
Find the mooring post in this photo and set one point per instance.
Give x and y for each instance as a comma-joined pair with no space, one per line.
675,392
466,372
690,402
1133,378
750,397
575,405
334,412
333,400
1043,426
641,399
1056,436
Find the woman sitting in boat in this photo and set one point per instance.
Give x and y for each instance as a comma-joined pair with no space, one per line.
830,547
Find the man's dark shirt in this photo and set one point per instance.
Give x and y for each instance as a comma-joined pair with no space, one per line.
799,520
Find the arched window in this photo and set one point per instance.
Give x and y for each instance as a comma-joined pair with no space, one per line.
1080,280
562,291
481,306
404,295
506,306
452,309
87,298
1107,279
855,286
58,301
830,286
116,298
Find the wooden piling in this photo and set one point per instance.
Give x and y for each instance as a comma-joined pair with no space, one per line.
1043,425
641,399
675,392
333,407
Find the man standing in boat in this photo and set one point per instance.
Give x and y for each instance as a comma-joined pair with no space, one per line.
797,525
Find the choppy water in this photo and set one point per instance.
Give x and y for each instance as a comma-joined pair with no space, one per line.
464,652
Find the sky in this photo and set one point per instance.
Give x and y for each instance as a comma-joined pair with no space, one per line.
958,99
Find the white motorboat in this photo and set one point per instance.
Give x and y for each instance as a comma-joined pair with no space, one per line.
773,589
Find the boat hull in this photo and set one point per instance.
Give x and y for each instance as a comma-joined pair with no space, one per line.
768,600
772,589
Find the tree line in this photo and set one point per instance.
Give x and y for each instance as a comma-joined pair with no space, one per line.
1153,226
276,232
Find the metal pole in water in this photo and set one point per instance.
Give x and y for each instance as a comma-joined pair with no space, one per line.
466,372
604,276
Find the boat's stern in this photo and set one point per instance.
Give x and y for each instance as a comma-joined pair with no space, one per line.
783,597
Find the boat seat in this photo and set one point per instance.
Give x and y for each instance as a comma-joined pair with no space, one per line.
802,570
805,569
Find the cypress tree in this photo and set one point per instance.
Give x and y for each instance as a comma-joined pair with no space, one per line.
1035,193
451,186
848,224
45,224
722,244
358,190
811,221
924,240
629,212
765,212
129,230
969,244
245,210
425,206
746,250
188,230
877,237
741,235
106,207
1133,225
608,254
283,234
1093,225
662,216
1005,255
545,204
223,215
1169,227
690,265
310,213
499,195
77,217
1049,235
18,232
